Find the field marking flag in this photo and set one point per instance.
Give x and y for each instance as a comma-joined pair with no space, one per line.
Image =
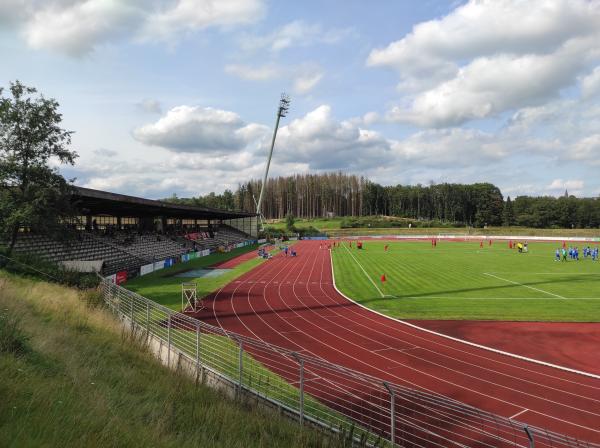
383,279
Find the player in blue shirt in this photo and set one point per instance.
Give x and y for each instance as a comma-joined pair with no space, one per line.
557,255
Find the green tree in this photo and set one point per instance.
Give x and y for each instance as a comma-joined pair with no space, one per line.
508,214
489,204
32,193
228,201
289,222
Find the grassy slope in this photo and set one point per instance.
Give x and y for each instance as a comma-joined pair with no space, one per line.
85,383
165,289
318,223
332,227
449,282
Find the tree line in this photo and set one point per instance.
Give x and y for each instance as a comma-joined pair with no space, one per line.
339,194
548,211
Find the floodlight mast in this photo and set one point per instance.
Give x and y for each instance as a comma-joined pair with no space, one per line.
284,105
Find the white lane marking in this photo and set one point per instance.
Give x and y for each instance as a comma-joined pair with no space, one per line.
517,414
395,349
525,286
367,275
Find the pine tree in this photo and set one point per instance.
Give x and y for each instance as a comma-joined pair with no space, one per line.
508,214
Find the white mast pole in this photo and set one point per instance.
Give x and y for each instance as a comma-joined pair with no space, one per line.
284,104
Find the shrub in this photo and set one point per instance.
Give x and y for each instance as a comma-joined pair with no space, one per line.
12,339
310,231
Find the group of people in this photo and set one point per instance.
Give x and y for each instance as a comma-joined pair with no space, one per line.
573,253
264,253
521,247
333,244
289,250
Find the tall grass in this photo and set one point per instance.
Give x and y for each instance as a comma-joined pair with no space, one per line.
79,381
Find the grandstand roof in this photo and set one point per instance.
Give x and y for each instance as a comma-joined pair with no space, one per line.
96,202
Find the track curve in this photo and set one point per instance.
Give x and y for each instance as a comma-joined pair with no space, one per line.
292,303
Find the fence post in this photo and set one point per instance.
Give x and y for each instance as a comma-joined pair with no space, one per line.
131,298
301,384
111,291
147,316
169,341
392,412
197,347
529,436
241,364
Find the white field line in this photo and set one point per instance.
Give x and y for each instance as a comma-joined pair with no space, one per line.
518,413
464,341
525,286
566,274
494,298
367,275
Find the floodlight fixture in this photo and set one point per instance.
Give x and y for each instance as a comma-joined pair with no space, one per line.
284,105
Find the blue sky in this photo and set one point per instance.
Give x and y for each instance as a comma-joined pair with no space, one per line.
179,96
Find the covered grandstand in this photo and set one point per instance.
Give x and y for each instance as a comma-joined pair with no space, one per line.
129,236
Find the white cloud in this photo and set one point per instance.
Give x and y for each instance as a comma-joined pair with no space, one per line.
451,147
562,184
303,77
304,84
586,150
322,142
14,11
295,34
558,186
256,73
193,15
150,106
77,27
103,152
196,129
489,56
484,27
489,86
590,84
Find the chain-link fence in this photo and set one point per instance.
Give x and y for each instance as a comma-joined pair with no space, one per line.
324,394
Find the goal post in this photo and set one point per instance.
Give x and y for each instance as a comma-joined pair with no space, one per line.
189,298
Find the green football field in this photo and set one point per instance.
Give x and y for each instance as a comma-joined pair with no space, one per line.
460,280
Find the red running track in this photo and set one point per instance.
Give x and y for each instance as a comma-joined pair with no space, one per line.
292,303
568,344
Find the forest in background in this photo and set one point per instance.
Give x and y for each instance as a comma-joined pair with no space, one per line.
338,194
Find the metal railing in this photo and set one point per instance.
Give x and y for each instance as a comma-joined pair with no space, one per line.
331,396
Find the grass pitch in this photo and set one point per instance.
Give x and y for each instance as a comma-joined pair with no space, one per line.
463,281
164,288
